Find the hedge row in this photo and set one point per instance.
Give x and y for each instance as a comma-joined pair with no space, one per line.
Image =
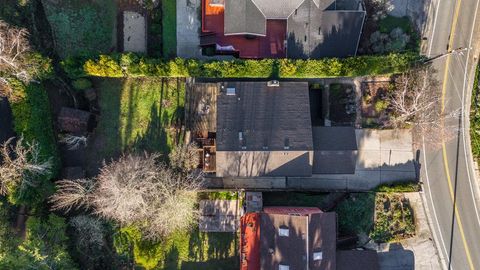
32,118
122,65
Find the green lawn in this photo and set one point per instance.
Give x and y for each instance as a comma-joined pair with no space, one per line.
182,250
137,114
81,26
169,30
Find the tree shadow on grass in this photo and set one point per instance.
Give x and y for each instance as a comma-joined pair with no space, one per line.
211,250
155,137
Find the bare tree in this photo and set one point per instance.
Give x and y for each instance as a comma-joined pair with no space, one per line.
73,142
21,165
184,157
14,47
416,102
72,194
137,190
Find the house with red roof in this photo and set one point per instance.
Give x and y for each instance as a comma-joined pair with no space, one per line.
291,238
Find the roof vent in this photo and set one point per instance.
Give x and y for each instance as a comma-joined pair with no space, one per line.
230,91
287,144
273,83
317,256
283,231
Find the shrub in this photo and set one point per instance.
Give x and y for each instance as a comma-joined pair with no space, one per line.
399,187
82,84
381,105
134,65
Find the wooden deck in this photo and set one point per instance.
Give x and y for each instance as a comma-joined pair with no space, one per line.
201,108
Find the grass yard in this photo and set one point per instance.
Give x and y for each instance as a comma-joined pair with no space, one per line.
81,26
182,250
169,30
137,114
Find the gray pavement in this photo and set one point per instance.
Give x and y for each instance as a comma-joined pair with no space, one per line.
447,173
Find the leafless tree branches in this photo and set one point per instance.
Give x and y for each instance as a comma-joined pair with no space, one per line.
72,194
416,101
184,157
21,165
136,190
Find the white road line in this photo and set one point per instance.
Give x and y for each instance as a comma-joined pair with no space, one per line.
463,118
433,29
442,241
433,205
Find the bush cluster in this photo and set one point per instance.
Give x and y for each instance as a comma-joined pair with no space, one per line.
134,65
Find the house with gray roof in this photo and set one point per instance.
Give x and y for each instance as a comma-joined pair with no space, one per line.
266,130
283,28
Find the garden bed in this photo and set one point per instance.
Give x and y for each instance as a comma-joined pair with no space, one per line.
374,103
394,218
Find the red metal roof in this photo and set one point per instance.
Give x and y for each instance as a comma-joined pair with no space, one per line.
250,241
270,46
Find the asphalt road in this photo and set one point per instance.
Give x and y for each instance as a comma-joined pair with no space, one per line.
447,170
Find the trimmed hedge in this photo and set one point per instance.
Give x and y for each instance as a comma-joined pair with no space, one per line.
124,65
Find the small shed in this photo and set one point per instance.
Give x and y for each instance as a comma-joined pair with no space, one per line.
74,121
134,32
219,215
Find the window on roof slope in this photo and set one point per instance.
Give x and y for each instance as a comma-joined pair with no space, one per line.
283,231
317,256
283,267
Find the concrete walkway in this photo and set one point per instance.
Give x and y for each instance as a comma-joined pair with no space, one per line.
384,156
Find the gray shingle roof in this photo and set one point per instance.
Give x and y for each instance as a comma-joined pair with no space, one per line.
255,125
268,117
335,150
243,17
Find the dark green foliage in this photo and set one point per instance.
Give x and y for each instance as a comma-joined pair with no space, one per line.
82,84
45,246
81,26
120,65
355,214
387,24
169,30
32,119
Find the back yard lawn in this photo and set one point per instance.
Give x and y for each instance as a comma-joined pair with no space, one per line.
182,250
137,114
81,26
